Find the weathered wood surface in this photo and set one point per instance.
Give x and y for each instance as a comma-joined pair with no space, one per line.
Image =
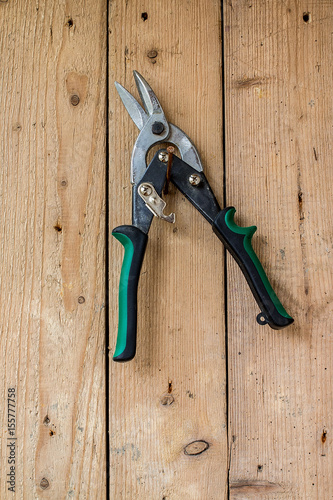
170,436
278,75
52,236
173,393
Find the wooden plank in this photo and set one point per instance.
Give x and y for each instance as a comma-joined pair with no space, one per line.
173,392
278,76
52,246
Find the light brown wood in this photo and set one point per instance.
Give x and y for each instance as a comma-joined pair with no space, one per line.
173,392
169,432
52,236
278,76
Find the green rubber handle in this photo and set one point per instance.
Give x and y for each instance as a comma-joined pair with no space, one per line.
238,241
134,242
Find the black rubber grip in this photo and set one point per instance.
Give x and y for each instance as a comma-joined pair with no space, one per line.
238,241
134,242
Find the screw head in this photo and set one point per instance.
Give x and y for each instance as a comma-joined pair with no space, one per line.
163,156
194,179
157,128
145,190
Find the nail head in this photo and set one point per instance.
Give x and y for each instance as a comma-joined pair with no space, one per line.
75,100
152,54
44,483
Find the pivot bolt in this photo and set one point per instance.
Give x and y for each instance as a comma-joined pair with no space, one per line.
157,128
194,179
145,190
163,156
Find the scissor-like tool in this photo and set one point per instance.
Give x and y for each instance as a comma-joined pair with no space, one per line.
187,175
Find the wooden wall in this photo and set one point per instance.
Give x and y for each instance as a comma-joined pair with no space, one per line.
52,310
214,406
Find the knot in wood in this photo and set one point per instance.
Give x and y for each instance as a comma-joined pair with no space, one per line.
196,447
167,400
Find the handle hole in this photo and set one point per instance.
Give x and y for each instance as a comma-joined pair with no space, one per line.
261,319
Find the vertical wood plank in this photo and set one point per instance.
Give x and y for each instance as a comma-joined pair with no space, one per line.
278,75
52,101
173,392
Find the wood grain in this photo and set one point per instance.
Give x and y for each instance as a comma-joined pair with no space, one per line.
52,101
168,424
278,76
173,393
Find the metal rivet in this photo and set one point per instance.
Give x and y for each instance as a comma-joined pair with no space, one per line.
157,128
194,179
154,202
145,190
163,156
44,483
75,100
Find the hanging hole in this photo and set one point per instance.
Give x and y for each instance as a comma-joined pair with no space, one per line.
261,319
144,16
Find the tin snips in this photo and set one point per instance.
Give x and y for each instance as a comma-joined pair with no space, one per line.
186,174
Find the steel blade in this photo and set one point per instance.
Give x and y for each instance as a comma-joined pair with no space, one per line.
149,99
134,109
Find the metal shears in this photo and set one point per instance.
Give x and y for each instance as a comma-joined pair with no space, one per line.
186,173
